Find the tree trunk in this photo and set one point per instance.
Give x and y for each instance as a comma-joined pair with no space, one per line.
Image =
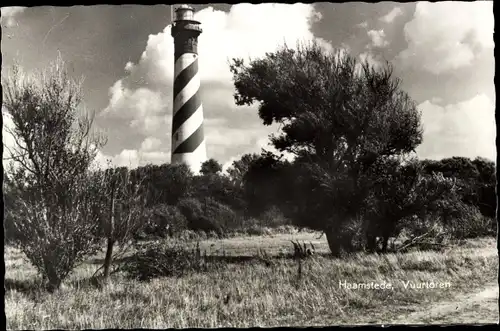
53,284
371,242
109,258
111,229
384,243
333,242
370,231
53,281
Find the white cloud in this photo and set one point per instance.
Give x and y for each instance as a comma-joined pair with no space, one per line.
127,158
129,66
463,129
395,12
132,158
150,143
363,24
101,161
9,14
366,56
378,38
141,107
444,36
143,98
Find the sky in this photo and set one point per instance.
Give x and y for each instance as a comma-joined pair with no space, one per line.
443,52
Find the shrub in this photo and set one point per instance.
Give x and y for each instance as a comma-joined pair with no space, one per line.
286,229
164,220
273,217
352,235
471,224
415,226
164,259
255,230
55,238
53,206
222,215
208,215
189,235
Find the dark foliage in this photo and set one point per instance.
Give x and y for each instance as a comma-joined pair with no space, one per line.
164,259
164,220
338,117
210,167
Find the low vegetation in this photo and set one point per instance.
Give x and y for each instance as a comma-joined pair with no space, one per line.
249,293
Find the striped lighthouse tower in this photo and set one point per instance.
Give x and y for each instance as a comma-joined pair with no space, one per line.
188,140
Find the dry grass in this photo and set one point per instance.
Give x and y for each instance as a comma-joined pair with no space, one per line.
249,295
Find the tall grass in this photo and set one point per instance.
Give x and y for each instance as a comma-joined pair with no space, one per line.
250,294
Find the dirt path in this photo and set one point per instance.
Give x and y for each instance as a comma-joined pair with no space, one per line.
476,308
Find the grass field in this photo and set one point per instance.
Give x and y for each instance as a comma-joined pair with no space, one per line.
250,294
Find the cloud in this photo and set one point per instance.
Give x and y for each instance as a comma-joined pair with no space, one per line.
363,24
130,158
9,14
444,36
378,38
392,15
367,56
150,144
463,129
142,100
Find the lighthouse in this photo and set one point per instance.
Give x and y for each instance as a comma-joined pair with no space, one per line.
188,140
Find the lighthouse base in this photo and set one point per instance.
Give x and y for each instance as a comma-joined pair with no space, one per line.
193,160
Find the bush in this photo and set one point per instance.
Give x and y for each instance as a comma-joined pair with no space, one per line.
352,234
286,229
222,215
56,238
53,207
471,224
164,259
256,230
189,235
164,220
209,215
273,217
416,226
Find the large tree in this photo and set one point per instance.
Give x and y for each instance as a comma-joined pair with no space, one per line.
338,116
53,207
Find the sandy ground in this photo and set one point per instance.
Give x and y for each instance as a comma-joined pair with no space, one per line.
479,307
475,308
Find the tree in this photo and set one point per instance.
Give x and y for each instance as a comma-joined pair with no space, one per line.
475,177
401,191
164,220
240,167
210,167
219,188
53,207
486,195
199,215
123,206
166,183
338,117
263,183
456,166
